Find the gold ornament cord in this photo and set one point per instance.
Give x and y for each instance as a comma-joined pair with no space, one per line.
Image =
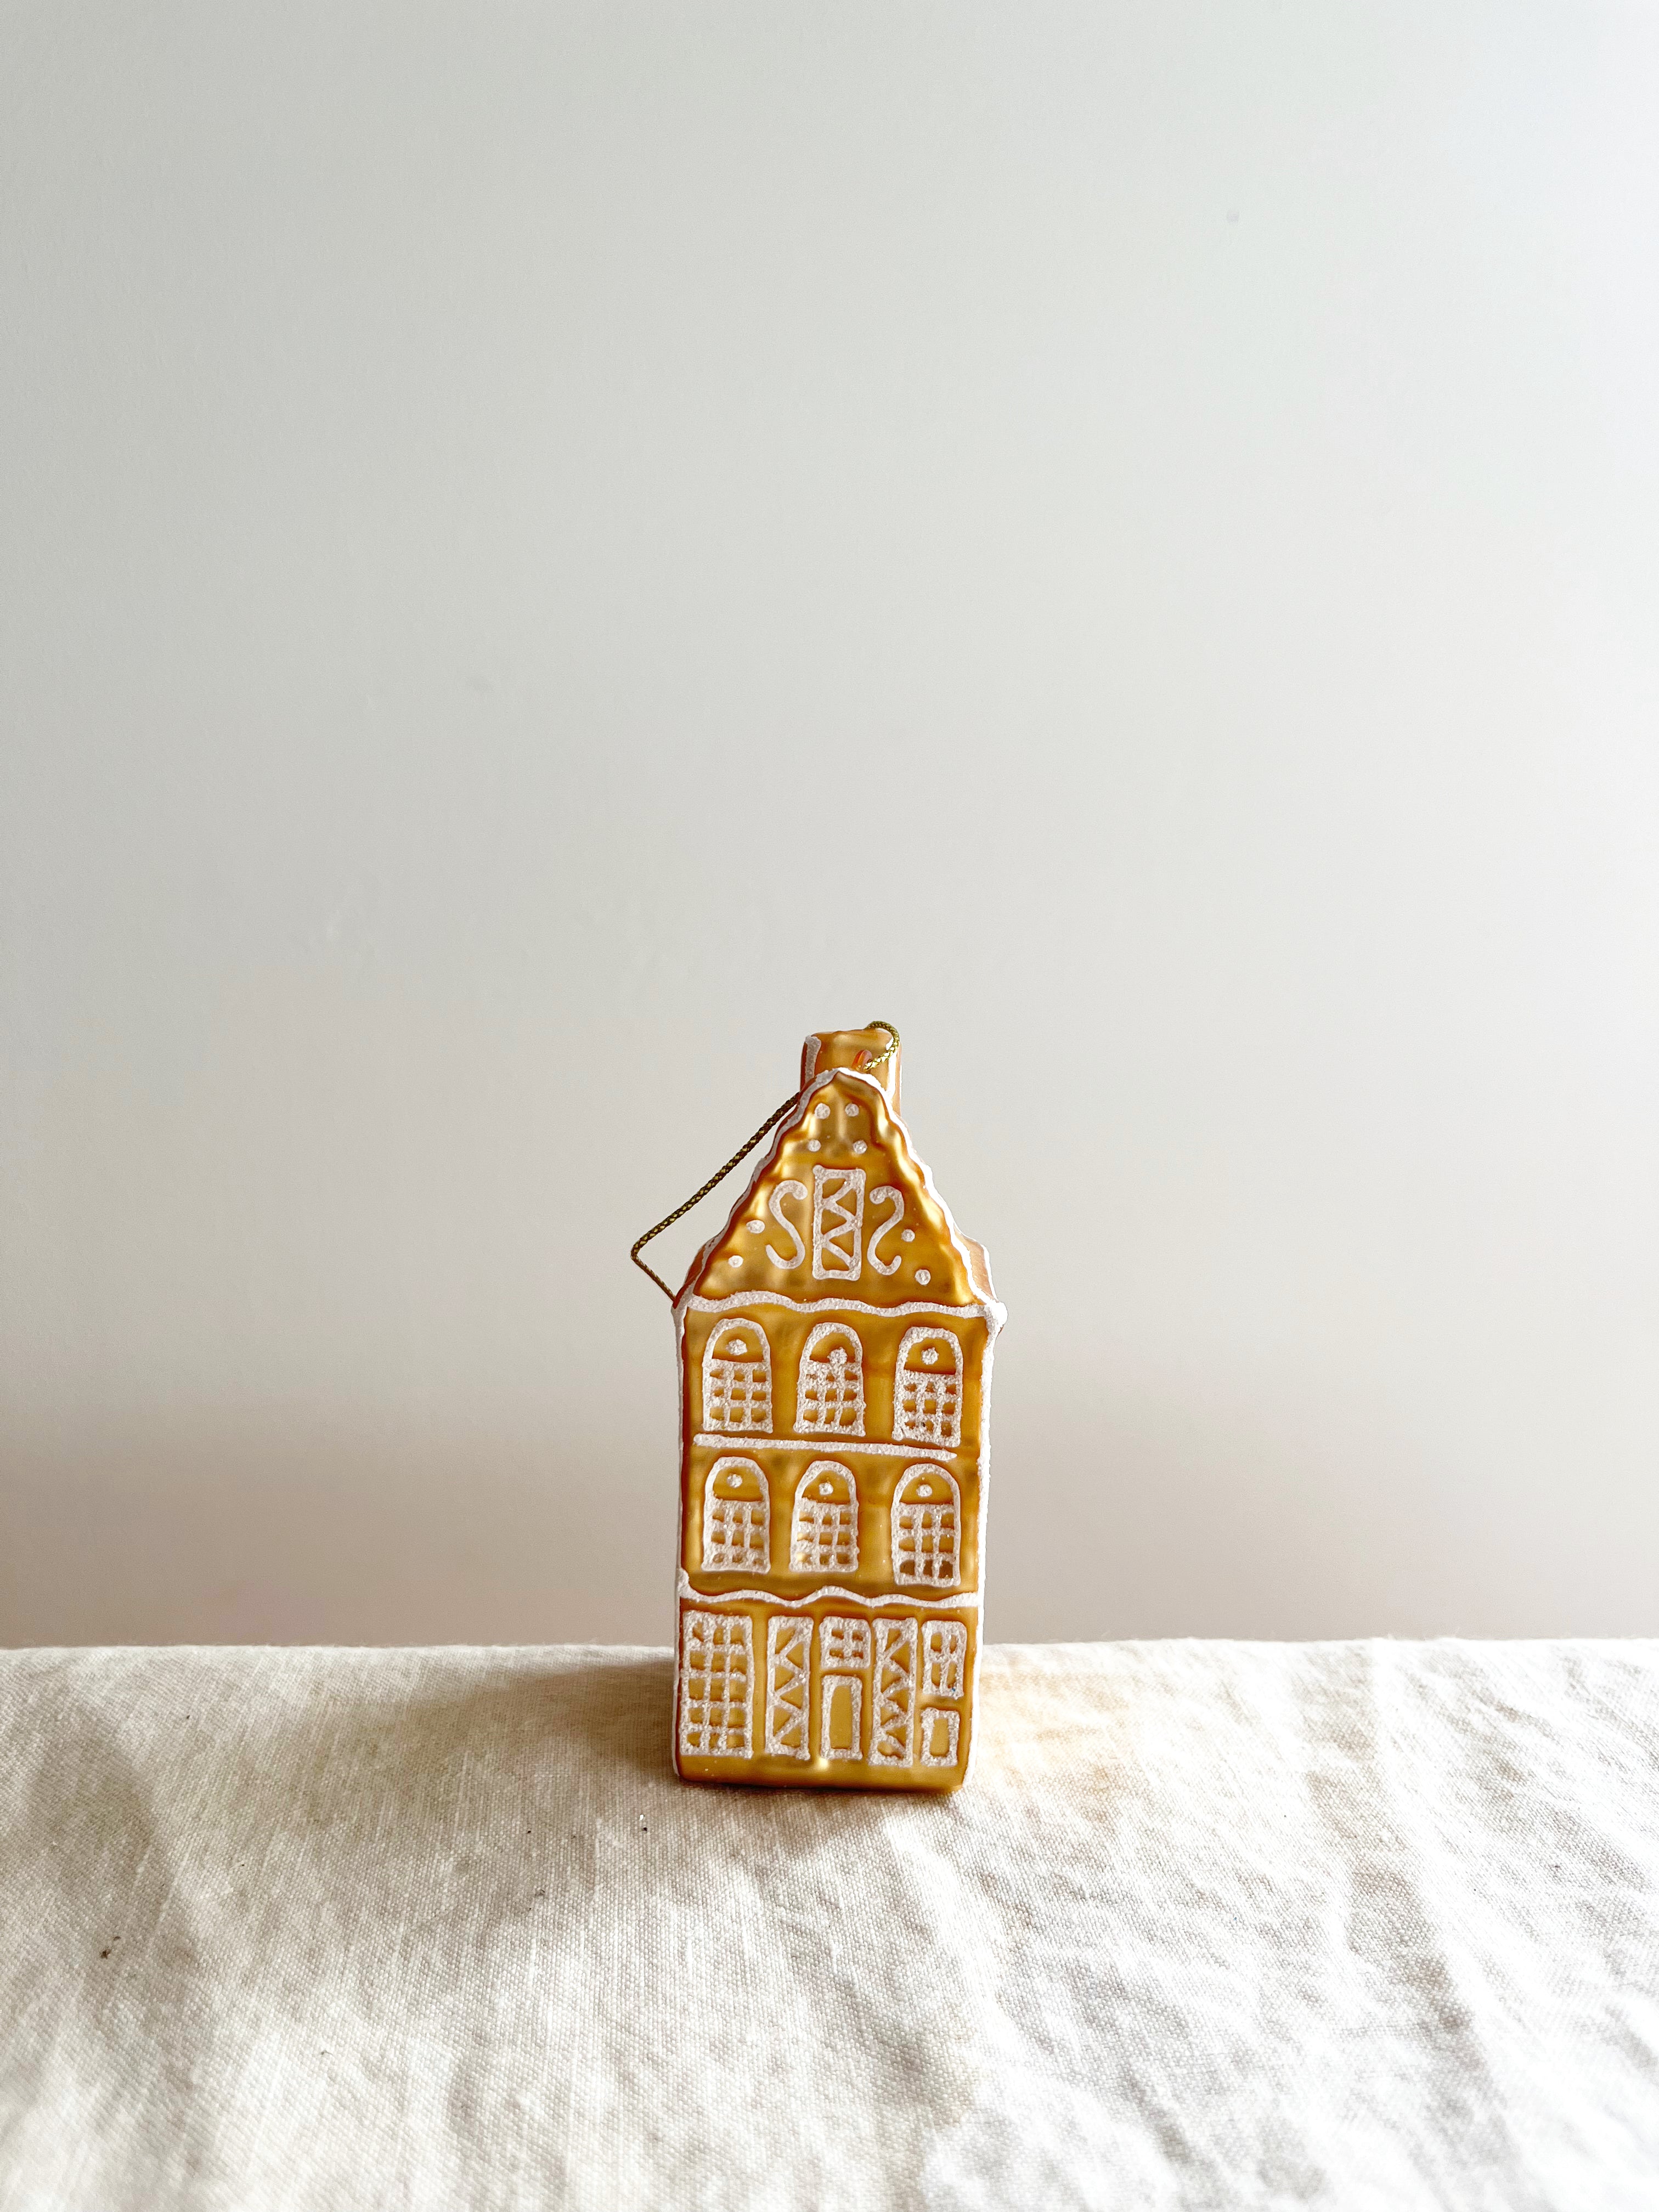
877,1059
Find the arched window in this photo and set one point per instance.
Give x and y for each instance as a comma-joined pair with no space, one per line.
927,1402
737,1518
831,1398
825,1533
927,1527
737,1379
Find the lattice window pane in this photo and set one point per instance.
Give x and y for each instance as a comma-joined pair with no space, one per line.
843,1643
737,1533
716,1656
924,1543
941,1735
929,1408
944,1651
826,1534
837,1222
829,1398
739,1395
929,1393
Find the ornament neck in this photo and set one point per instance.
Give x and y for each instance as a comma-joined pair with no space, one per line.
873,1051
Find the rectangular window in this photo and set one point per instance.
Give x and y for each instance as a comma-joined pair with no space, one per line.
843,1643
941,1733
789,1661
944,1650
840,1733
837,1223
716,1662
891,1739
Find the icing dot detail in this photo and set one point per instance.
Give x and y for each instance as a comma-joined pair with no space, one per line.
756,1227
822,1112
922,1275
852,1113
736,1260
906,1236
814,1145
861,1146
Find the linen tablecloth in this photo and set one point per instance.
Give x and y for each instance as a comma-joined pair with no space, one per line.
1359,1925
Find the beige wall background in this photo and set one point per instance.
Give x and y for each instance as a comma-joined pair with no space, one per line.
545,551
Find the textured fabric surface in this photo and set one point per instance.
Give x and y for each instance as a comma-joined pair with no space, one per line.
1212,1924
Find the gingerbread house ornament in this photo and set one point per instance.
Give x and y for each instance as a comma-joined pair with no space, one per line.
834,1341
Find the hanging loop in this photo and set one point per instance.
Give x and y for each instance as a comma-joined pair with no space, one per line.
881,1059
743,1152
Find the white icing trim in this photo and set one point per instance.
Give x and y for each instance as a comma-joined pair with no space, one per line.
844,1643
919,1415
886,1190
788,1668
953,1735
904,1150
725,1378
853,1686
823,1388
984,1491
720,1515
820,1525
814,1442
726,1730
991,1312
944,1655
943,1520
893,1730
683,1487
813,1045
774,1207
837,1222
871,1600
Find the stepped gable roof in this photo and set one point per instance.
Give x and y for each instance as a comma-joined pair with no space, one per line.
842,1120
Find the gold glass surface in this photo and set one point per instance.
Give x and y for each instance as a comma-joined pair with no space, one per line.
834,1344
